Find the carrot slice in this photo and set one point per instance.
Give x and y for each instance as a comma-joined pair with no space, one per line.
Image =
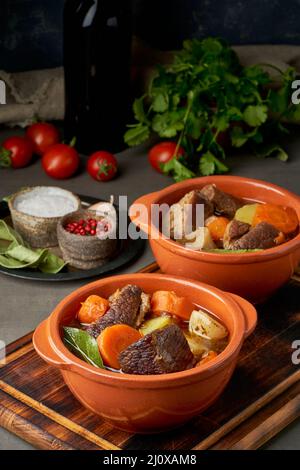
169,302
217,226
115,339
210,356
93,308
283,218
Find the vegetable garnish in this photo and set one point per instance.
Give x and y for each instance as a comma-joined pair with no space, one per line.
83,346
14,254
205,99
155,324
283,218
169,302
217,226
209,357
92,308
204,325
115,339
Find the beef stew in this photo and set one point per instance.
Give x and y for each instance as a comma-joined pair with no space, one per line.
146,334
229,223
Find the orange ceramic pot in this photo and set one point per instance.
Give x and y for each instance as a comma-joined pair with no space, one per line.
146,404
254,276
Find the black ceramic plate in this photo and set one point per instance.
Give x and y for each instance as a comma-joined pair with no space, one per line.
127,252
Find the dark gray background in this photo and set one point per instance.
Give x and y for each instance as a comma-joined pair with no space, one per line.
31,30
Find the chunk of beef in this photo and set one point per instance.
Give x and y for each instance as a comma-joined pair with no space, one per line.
261,236
224,203
161,352
234,231
145,308
183,215
124,308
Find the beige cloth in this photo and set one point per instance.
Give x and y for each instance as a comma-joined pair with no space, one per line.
41,93
33,94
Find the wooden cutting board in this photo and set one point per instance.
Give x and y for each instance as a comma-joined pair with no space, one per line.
262,398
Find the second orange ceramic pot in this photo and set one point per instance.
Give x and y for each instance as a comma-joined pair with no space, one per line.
254,276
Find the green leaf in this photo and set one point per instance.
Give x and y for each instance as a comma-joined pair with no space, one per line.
83,345
178,170
160,103
256,115
139,111
212,46
137,135
209,164
221,123
9,234
168,124
5,158
257,75
23,256
15,255
51,263
194,125
280,99
239,137
272,150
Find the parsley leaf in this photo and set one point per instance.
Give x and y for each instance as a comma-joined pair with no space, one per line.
136,135
179,171
209,164
255,115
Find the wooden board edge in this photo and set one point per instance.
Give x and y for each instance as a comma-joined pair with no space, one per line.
270,427
247,412
256,423
28,432
56,417
18,343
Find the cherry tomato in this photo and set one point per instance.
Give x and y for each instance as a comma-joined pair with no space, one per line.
102,166
43,135
16,152
162,153
60,161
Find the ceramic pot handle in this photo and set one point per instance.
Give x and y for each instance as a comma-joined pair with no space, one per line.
250,314
140,211
43,347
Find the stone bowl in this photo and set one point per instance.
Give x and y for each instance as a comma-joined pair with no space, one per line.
39,231
84,252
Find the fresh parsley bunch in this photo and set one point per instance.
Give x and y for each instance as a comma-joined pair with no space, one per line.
206,95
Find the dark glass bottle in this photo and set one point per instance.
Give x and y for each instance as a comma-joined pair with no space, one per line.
97,46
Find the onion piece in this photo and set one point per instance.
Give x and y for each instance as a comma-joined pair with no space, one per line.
205,326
